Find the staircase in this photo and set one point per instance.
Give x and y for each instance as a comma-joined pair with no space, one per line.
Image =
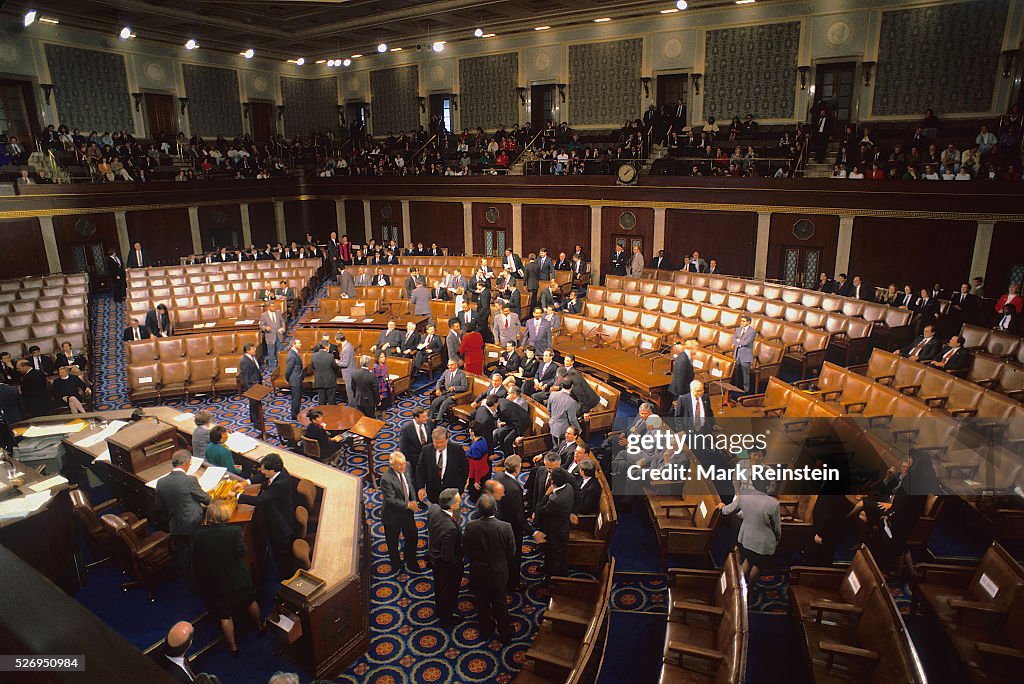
824,170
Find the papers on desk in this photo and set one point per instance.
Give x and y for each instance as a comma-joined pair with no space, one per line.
241,443
392,376
51,430
314,320
21,506
210,478
194,465
105,456
338,319
46,485
152,483
367,320
246,321
183,417
101,436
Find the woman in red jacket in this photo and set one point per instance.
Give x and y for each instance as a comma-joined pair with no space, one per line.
472,351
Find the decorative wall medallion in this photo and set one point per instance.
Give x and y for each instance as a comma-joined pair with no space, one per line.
386,211
672,48
8,53
627,220
155,72
85,227
353,85
803,230
543,61
437,73
838,33
491,214
259,83
219,217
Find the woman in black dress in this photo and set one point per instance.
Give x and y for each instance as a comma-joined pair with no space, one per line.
69,390
218,554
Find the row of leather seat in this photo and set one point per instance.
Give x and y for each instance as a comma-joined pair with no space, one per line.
53,280
202,314
49,293
994,343
189,346
34,304
49,344
852,628
220,287
706,634
251,279
329,308
158,380
207,270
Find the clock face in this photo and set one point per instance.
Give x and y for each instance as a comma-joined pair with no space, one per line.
627,173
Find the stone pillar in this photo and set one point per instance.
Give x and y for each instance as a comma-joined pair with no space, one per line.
517,228
982,249
50,243
339,210
764,222
123,243
406,228
367,221
193,224
596,262
282,234
246,228
844,245
467,227
659,231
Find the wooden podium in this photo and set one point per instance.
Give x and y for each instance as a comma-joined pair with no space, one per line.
258,393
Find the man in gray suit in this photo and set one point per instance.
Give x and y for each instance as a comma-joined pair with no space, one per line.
362,278
562,410
538,332
363,394
760,529
451,382
506,327
636,264
743,350
346,282
180,501
272,325
389,341
454,340
293,372
346,359
419,300
325,378
399,494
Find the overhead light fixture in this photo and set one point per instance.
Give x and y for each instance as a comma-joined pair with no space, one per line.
397,49
744,2
346,62
49,20
125,33
682,4
331,63
30,17
300,61
438,46
356,56
191,44
669,11
322,61
488,35
248,54
541,28
479,33
383,47
602,20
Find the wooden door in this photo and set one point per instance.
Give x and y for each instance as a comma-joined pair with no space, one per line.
261,120
494,241
161,119
672,87
441,106
91,258
801,265
834,86
18,111
542,106
627,241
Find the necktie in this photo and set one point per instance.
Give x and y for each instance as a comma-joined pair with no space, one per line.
138,256
916,350
947,355
1004,323
38,362
440,464
137,336
405,485
698,414
421,432
506,322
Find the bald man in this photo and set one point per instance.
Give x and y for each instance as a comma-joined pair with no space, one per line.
172,655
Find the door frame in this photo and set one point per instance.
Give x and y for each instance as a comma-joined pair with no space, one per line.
802,249
496,228
175,111
33,111
555,112
273,117
858,74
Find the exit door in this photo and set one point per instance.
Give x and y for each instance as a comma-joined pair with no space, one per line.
627,242
494,241
543,107
161,119
801,266
833,85
441,107
671,89
261,120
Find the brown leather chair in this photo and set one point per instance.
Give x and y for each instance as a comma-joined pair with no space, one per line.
227,375
223,344
170,348
301,522
197,346
311,448
98,536
302,554
289,434
147,558
144,382
202,374
143,351
174,377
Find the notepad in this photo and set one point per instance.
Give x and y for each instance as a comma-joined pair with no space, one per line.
211,477
314,320
245,322
392,376
105,456
241,443
337,319
46,485
367,320
194,465
183,417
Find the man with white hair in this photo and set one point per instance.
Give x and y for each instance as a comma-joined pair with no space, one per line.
695,409
398,491
283,678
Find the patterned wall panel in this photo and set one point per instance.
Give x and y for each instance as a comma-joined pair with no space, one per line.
751,69
309,104
213,107
927,61
394,93
604,82
90,88
487,91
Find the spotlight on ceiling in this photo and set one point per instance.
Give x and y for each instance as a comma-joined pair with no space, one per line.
479,33
191,44
125,33
346,62
30,17
331,63
669,11
438,46
602,20
357,56
49,20
682,4
383,47
248,54
300,61
541,28
488,35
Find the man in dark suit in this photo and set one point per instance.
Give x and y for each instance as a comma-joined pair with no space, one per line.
118,284
329,446
325,377
250,374
588,488
10,404
429,343
293,373
399,495
415,435
364,393
507,491
442,465
180,501
552,522
33,389
136,332
389,340
861,291
953,356
489,545
825,284
444,554
487,421
158,322
539,479
694,408
545,265
619,261
513,263
925,346
682,368
661,261
39,360
531,279
137,258
843,287
172,654
276,503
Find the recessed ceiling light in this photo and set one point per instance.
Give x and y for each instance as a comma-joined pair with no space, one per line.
49,20
321,61
346,62
191,44
744,2
542,28
356,56
479,33
488,35
682,4
438,46
602,20
125,33
383,47
397,49
30,17
669,11
333,62
300,61
248,54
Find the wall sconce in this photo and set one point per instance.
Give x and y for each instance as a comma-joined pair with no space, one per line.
183,102
646,81
804,71
696,83
280,111
245,110
423,103
47,89
561,90
138,101
1008,57
521,92
455,102
868,66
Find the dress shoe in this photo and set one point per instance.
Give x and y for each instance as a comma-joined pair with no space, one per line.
413,568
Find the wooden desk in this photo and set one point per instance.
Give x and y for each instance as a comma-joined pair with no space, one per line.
337,417
647,378
367,322
220,325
